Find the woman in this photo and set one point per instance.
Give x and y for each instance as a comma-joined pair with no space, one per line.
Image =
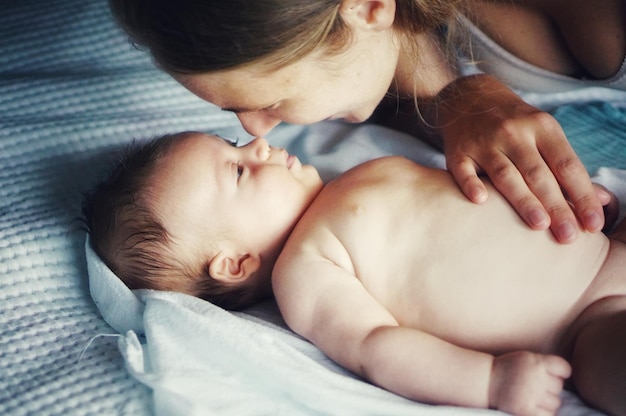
303,61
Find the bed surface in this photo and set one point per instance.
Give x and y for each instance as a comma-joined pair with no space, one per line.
72,93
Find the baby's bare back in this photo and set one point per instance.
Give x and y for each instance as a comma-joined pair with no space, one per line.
471,274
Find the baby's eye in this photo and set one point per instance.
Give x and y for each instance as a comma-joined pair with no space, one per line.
239,170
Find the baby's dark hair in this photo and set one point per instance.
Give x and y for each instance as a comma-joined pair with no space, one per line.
125,231
194,36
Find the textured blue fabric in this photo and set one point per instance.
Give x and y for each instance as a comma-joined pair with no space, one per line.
72,89
597,132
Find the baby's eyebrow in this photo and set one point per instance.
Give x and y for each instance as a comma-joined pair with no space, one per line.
233,143
238,110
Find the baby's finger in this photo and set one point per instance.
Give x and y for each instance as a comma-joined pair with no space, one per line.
558,366
550,404
554,386
465,174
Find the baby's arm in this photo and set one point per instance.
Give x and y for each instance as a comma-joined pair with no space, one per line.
330,307
422,367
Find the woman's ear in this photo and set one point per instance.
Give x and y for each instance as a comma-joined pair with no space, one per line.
370,14
230,268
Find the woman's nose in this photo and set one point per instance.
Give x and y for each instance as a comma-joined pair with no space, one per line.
257,123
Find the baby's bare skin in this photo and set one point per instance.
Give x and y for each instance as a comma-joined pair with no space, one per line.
394,245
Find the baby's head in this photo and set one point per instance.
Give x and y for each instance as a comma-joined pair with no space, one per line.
192,213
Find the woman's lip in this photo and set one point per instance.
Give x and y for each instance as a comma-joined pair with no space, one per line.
345,117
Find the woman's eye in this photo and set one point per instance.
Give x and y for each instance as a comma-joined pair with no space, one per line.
270,107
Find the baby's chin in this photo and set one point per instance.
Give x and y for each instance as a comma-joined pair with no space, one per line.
312,175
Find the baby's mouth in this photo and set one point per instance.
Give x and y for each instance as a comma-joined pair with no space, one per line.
290,160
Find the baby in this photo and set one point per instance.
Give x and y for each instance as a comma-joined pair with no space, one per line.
388,269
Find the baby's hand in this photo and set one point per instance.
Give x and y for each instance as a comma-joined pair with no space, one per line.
527,384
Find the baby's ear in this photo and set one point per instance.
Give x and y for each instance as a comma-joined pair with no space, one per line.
230,268
377,14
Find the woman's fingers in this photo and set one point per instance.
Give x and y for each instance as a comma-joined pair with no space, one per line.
575,182
548,186
466,176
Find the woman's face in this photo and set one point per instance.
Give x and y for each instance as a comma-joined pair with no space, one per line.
318,87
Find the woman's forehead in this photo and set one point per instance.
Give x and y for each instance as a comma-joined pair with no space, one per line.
251,87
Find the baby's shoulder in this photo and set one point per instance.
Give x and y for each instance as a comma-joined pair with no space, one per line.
380,172
382,177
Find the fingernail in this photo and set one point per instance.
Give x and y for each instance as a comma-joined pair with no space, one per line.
565,232
477,195
538,218
593,221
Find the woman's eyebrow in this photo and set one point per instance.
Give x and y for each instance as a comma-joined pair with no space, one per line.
239,109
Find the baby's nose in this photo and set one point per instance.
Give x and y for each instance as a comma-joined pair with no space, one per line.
261,148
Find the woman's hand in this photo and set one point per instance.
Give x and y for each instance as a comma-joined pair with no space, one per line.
488,129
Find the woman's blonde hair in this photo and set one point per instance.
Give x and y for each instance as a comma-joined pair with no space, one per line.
194,36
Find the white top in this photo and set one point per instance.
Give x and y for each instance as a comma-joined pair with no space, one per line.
491,58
